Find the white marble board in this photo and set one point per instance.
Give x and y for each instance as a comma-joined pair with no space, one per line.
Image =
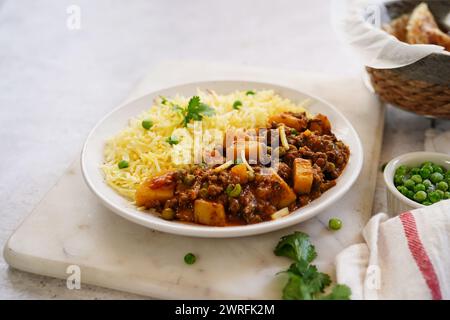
70,227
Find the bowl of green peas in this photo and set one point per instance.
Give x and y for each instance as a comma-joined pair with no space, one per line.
416,180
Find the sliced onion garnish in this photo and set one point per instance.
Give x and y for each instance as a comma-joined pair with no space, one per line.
224,166
280,214
283,138
244,161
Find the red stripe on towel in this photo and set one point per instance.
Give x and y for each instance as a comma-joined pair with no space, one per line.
420,255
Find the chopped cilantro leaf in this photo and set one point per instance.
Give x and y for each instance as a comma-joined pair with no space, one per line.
163,100
339,292
172,140
296,289
297,247
318,281
123,164
196,110
237,105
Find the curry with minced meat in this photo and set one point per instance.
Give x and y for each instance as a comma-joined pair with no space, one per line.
244,193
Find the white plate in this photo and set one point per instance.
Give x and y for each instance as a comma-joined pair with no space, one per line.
114,122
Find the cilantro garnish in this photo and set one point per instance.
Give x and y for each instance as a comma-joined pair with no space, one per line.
250,93
195,110
166,102
339,292
172,140
163,100
297,247
305,282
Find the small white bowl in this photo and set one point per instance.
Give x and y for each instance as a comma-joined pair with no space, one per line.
397,202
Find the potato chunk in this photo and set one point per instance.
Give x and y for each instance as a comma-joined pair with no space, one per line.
320,124
160,188
285,196
240,172
289,120
303,176
253,150
209,213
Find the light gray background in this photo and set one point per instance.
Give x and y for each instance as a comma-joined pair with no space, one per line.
55,84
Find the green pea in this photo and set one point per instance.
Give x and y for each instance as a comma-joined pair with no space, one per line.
427,164
401,170
281,151
442,185
434,196
163,100
441,193
436,177
250,93
420,196
409,184
410,194
147,124
416,178
430,168
123,164
335,224
331,166
438,169
403,190
234,191
398,179
188,179
203,192
427,183
172,140
415,171
425,173
168,214
190,258
447,195
427,203
419,187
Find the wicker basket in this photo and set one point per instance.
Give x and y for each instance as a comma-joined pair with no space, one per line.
422,87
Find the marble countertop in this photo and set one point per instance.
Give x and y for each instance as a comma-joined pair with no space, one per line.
59,80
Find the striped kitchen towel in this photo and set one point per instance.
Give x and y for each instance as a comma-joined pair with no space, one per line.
405,257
